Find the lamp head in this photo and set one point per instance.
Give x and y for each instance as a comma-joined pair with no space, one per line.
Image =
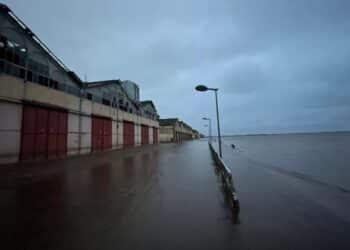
201,88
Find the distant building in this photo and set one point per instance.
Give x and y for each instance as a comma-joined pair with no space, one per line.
174,130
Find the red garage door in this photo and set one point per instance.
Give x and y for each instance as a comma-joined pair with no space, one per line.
128,134
155,135
44,133
144,134
101,134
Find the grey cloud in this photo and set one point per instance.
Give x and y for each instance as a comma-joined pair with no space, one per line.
280,65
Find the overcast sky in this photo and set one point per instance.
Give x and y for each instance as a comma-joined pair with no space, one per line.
281,66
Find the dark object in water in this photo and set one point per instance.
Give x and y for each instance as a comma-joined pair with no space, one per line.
233,145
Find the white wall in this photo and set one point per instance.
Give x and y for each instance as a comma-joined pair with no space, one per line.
165,137
10,131
114,134
137,134
13,91
150,135
73,134
85,135
120,138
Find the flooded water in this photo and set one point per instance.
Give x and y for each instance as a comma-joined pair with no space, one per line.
293,190
152,197
322,158
170,197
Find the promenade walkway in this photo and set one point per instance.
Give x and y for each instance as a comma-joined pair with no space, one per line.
154,197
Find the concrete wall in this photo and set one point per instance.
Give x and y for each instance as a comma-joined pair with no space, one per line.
114,134
73,134
85,134
10,131
120,138
137,134
13,91
166,133
174,133
150,135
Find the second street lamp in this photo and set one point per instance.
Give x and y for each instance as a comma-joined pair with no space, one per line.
204,88
209,120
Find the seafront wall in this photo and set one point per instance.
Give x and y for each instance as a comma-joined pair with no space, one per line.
227,181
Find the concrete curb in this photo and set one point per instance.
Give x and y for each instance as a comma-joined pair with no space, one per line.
227,181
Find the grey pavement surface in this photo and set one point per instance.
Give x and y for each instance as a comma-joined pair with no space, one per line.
165,197
154,197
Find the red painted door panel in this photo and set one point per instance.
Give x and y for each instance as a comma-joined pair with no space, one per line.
53,133
155,135
27,146
52,149
94,142
41,146
41,124
101,133
29,113
100,127
107,131
44,133
28,133
62,133
41,129
144,134
53,122
128,134
94,133
62,123
61,144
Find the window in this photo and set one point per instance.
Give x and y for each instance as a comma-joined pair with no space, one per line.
9,55
53,84
2,66
22,73
43,80
73,90
106,102
12,52
89,96
29,76
38,67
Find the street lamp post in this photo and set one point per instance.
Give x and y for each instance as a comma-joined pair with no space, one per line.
208,119
204,88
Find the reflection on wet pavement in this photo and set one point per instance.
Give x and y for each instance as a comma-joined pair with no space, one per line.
154,197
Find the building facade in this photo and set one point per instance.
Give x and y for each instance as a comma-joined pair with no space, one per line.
48,112
174,130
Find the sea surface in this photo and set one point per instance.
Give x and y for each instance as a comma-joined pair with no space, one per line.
322,158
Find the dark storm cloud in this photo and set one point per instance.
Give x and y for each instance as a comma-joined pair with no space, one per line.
280,65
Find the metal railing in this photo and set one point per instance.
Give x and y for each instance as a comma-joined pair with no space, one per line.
227,181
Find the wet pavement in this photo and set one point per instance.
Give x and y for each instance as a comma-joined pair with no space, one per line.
165,197
154,197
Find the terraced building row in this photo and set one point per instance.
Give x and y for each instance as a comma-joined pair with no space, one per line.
48,112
